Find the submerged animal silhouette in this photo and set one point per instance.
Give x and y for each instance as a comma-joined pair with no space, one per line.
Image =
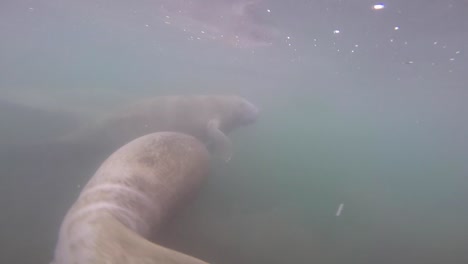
134,191
207,117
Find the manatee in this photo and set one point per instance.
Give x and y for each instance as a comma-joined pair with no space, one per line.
130,196
207,117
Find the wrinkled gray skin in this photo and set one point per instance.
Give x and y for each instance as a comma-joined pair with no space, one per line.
131,195
207,117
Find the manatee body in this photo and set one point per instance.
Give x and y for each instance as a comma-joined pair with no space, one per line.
133,192
207,117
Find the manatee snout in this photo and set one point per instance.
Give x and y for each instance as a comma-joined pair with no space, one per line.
250,113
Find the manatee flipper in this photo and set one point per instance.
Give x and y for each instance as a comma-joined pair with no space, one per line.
222,144
118,244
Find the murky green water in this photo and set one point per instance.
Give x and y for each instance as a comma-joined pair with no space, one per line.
372,117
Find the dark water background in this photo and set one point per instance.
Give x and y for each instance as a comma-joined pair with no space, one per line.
373,117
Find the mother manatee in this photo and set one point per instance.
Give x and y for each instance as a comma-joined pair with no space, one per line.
207,117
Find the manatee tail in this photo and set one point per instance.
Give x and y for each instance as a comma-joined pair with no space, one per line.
118,244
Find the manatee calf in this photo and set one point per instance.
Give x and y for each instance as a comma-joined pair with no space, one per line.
207,117
129,197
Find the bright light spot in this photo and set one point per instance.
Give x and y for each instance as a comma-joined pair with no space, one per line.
378,6
452,59
336,31
31,9
289,44
458,52
203,32
406,42
410,62
435,42
268,10
168,23
356,45
146,25
315,45
288,37
352,51
168,17
391,40
396,28
315,39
